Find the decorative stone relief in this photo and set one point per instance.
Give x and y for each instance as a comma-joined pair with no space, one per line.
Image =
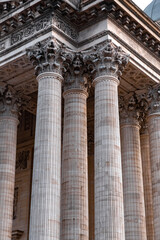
17,67
46,57
108,59
40,24
149,99
64,27
31,29
15,201
27,87
76,69
22,158
10,102
140,79
153,98
131,110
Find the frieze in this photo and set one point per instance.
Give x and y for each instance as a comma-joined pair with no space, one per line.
31,30
64,27
40,24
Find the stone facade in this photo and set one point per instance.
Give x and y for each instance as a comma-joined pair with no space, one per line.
79,121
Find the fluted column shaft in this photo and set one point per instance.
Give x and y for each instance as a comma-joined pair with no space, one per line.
45,199
9,108
147,183
134,208
74,167
109,216
154,138
8,145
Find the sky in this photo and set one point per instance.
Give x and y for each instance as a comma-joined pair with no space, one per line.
142,3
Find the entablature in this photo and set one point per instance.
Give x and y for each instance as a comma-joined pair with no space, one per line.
126,14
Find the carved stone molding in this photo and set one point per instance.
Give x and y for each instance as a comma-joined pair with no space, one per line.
108,59
149,99
10,102
131,112
153,98
84,16
76,70
31,29
46,57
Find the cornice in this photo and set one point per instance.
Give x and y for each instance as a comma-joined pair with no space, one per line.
138,13
93,11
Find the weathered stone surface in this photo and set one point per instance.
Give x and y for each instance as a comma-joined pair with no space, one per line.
147,181
46,57
108,59
8,143
45,199
75,167
134,208
154,139
109,215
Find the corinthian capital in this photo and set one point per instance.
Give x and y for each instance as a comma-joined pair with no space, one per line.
153,98
10,102
130,110
76,70
150,97
109,60
46,57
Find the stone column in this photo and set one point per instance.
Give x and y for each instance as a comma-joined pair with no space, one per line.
147,182
109,215
154,139
9,105
134,208
75,158
45,198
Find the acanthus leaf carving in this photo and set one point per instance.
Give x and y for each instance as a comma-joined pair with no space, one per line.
153,97
46,57
132,111
150,99
31,29
11,102
108,59
76,71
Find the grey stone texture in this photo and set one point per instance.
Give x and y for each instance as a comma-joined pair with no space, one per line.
109,213
8,145
74,208
45,199
134,208
147,183
154,139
